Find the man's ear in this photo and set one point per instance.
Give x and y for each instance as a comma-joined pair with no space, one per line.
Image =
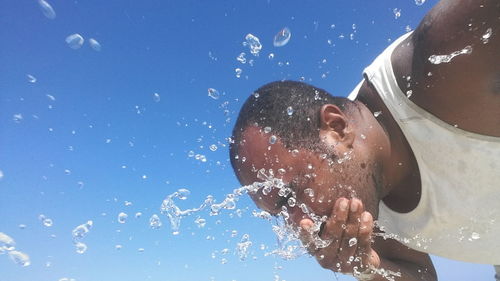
334,126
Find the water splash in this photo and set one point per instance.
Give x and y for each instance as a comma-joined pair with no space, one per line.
213,93
75,41
81,247
241,58
20,258
242,248
78,233
397,13
6,243
438,59
155,222
485,38
95,45
253,43
45,221
47,9
282,37
122,217
31,78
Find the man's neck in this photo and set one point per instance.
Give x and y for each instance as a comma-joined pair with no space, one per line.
400,169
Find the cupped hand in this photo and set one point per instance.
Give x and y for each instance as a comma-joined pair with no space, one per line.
349,228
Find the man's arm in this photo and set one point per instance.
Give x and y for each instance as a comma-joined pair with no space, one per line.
466,33
451,26
396,257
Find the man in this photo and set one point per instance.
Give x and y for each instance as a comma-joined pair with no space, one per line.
416,147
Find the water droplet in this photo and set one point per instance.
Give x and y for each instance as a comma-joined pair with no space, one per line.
291,202
140,250
238,72
409,93
243,246
200,222
316,95
486,37
377,113
190,153
156,97
475,236
303,208
118,247
241,58
272,139
397,13
271,56
253,43
438,59
47,9
17,118
213,147
31,78
45,221
282,37
138,215
96,46
256,95
289,111
295,152
75,41
20,258
66,279
6,243
213,93
419,2
309,192
353,241
80,247
407,28
182,194
281,171
155,222
1,175
81,231
122,217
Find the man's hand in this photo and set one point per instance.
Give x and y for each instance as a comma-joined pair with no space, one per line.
349,228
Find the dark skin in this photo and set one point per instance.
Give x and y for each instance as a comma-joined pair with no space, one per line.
382,166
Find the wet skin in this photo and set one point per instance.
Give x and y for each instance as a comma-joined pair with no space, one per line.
335,197
383,167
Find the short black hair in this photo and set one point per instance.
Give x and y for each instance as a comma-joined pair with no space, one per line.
290,109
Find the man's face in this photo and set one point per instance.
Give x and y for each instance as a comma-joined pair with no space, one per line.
315,178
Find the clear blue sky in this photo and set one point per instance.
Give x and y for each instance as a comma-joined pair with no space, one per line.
89,135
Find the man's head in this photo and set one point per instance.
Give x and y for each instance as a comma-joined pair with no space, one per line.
314,142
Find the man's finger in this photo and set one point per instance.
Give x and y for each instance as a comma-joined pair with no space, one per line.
335,225
306,235
349,242
364,250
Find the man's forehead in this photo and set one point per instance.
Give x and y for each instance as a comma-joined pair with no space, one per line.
259,149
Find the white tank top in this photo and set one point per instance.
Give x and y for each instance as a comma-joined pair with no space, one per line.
458,216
